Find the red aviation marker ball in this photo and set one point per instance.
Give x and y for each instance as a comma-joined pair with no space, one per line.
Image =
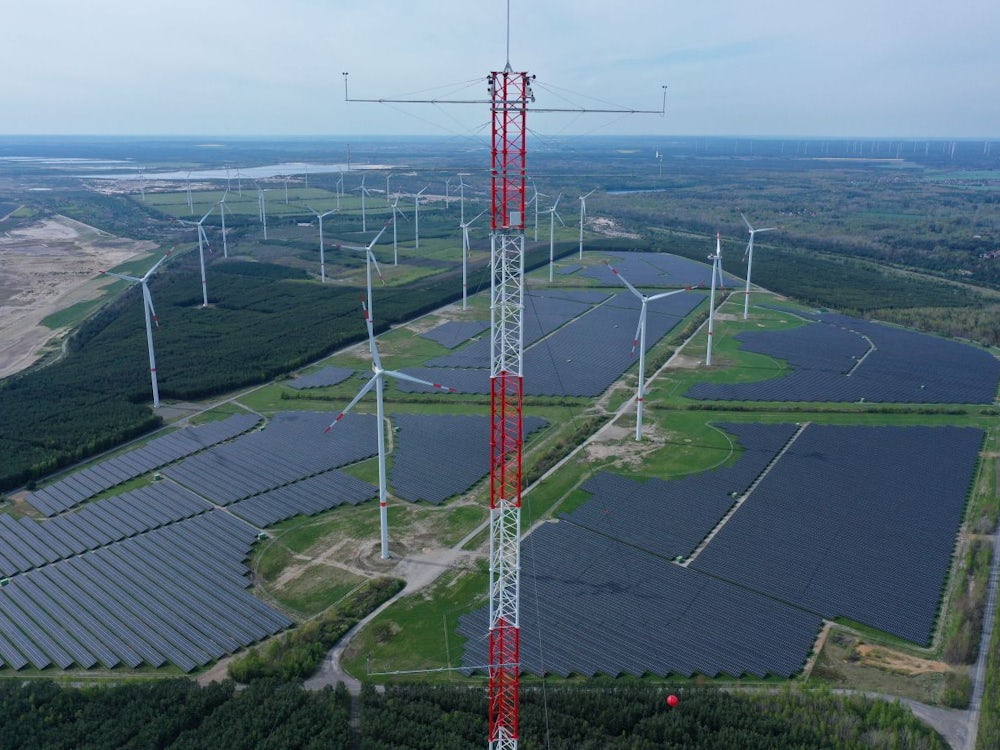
672,700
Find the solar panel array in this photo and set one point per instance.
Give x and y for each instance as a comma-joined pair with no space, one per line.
308,497
320,378
831,362
456,332
440,456
158,452
858,522
26,544
597,605
174,595
670,518
580,347
293,445
658,270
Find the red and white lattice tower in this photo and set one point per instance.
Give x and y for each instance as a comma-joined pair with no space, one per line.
510,93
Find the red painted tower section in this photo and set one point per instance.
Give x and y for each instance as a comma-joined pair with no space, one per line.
510,93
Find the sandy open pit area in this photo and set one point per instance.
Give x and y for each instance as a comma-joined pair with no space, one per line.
45,268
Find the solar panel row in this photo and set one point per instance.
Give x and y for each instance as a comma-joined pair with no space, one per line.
307,497
601,606
292,446
175,594
78,487
581,356
456,332
323,377
26,544
832,362
670,518
857,522
657,270
437,457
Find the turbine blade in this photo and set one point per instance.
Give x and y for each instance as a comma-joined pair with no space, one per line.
409,378
361,394
750,228
667,294
148,299
625,281
638,331
121,276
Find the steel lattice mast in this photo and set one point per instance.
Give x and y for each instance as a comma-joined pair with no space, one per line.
510,93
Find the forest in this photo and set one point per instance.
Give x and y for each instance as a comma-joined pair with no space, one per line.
267,714
262,322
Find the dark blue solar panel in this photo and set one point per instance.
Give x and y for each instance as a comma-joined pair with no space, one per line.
456,332
324,377
645,270
831,361
595,605
857,522
440,456
308,497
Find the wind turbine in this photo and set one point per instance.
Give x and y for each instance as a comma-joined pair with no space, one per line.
640,341
716,273
322,255
748,256
262,208
369,262
416,217
364,191
395,242
465,255
553,215
377,382
147,304
239,182
142,185
461,193
222,213
286,189
190,202
534,199
583,215
340,189
202,242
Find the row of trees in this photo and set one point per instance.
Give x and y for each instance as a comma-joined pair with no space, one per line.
272,715
176,714
638,717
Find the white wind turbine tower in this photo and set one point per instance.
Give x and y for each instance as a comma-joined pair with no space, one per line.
583,215
716,273
369,262
262,208
395,237
553,215
222,213
142,185
461,199
465,257
190,202
534,199
147,304
340,189
377,382
748,256
239,182
202,243
364,191
416,217
640,341
322,252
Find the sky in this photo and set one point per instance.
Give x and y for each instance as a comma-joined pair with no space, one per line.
850,68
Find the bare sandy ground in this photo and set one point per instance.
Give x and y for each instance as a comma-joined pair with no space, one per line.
47,267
